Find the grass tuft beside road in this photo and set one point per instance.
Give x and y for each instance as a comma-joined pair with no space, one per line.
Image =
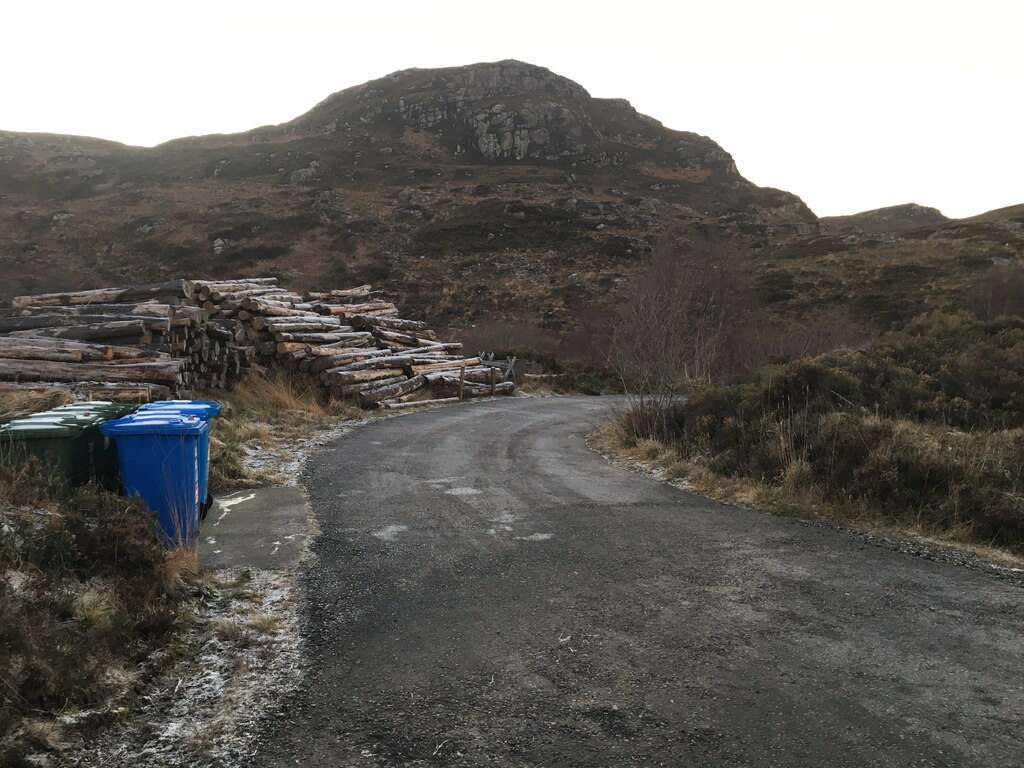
267,411
87,594
94,611
923,433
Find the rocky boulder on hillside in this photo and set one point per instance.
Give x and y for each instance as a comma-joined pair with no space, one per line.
895,219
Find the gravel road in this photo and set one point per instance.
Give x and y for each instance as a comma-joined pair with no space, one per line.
487,592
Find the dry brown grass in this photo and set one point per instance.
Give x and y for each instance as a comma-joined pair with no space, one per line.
264,624
181,567
283,403
269,410
228,630
22,402
796,496
24,481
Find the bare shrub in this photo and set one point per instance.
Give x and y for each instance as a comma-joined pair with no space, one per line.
998,291
667,336
759,337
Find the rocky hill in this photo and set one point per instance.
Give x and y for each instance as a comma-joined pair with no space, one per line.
500,190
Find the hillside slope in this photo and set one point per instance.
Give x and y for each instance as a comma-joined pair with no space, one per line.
499,189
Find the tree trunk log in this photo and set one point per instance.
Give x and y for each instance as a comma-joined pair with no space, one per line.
391,323
144,308
119,329
369,308
9,346
345,293
390,361
10,324
347,390
445,365
342,359
162,372
331,376
195,286
318,338
335,350
394,336
372,396
172,288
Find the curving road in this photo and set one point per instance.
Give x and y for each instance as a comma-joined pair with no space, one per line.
487,592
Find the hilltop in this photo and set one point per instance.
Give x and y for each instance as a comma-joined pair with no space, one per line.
498,190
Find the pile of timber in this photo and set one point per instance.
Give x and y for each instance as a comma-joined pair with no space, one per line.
184,337
352,341
137,343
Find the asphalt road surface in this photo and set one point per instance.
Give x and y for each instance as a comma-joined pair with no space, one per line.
488,592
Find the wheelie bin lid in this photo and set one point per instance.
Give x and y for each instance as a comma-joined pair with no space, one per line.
204,408
38,426
71,415
106,408
156,424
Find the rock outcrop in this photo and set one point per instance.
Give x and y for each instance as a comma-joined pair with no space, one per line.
512,111
894,219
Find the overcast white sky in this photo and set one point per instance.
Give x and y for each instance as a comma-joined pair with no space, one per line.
850,104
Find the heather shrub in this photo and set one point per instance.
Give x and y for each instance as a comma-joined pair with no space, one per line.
87,592
924,428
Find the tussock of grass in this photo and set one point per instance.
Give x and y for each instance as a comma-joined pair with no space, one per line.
228,630
22,402
923,433
264,624
25,480
87,594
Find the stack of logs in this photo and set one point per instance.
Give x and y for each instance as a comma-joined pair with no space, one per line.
353,341
183,337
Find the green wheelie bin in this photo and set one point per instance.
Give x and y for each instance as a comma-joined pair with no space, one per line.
68,445
106,464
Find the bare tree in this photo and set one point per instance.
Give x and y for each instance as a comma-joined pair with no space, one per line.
999,290
667,335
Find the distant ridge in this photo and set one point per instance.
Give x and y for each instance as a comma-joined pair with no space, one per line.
896,218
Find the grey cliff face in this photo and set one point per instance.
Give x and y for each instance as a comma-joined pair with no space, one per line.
494,110
512,112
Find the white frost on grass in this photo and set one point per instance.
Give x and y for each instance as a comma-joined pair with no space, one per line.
285,459
242,658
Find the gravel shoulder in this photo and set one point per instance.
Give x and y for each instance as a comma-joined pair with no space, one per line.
487,591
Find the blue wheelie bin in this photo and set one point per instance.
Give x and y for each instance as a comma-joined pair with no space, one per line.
206,410
159,459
